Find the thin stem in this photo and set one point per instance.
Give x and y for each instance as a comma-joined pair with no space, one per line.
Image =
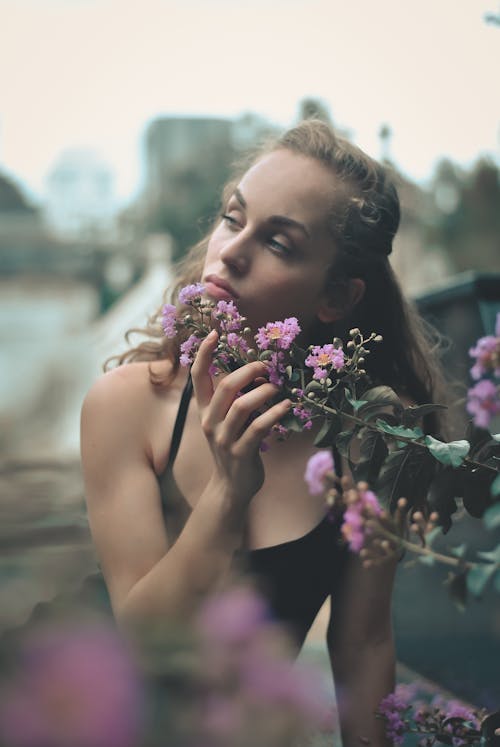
418,550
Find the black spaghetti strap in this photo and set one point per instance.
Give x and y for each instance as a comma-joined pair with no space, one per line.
180,421
337,459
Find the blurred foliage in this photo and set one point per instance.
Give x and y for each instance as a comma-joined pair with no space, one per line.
466,217
191,197
12,199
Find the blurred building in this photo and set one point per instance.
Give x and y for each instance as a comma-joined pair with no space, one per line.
80,196
174,144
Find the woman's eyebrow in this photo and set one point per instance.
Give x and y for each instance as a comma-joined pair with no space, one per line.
278,220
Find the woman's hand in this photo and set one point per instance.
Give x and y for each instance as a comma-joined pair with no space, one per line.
229,423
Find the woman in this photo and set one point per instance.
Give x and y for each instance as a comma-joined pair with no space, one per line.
306,231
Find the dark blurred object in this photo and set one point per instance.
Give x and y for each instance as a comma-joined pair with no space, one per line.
462,311
458,650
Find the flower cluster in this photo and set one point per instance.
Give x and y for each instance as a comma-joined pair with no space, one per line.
362,505
277,335
394,709
323,359
483,399
446,722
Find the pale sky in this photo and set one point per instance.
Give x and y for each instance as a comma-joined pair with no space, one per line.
93,73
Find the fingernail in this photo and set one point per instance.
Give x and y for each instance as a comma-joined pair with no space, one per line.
211,335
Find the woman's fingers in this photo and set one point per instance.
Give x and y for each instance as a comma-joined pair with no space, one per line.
260,427
228,388
202,381
243,408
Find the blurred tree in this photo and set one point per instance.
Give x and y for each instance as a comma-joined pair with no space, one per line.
12,199
466,215
313,108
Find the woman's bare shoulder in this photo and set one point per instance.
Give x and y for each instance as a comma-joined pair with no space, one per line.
127,396
129,383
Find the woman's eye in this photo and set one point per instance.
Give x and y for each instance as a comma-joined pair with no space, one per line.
279,247
229,219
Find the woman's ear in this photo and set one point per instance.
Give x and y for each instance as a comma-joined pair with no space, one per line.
340,299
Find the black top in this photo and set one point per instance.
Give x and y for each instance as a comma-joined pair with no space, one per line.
296,576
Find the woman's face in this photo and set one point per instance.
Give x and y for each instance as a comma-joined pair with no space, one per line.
272,247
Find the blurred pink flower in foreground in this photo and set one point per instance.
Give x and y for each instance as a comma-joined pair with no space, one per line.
354,528
256,692
318,468
483,402
72,687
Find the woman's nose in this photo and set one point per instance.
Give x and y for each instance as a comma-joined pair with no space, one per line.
236,252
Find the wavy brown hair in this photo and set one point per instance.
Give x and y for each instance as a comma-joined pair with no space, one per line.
364,219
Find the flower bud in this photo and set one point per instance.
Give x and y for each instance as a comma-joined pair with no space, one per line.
311,395
251,354
188,319
247,331
378,338
361,360
351,345
223,338
354,332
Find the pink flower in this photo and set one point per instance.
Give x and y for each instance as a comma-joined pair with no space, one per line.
393,708
277,335
483,402
169,319
487,355
323,359
233,616
73,687
229,316
188,350
276,368
317,469
354,528
237,341
190,292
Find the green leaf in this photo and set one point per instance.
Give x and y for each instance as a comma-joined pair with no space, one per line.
491,516
343,441
458,589
292,423
399,430
372,453
377,400
459,550
495,486
431,536
475,489
442,493
491,556
406,473
478,577
496,582
382,394
355,403
426,559
413,414
452,453
330,428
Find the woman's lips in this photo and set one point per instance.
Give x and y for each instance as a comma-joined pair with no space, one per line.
219,290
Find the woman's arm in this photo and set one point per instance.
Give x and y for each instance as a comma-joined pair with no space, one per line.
146,579
361,647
